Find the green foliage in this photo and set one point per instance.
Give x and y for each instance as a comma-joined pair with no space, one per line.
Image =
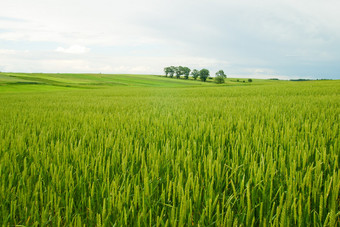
186,72
195,74
250,80
172,71
204,74
219,79
178,71
139,154
167,71
221,74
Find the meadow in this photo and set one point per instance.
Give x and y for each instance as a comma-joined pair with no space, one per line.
142,150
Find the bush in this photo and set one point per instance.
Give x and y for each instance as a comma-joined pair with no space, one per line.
219,79
250,80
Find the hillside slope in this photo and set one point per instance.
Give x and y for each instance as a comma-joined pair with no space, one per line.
42,81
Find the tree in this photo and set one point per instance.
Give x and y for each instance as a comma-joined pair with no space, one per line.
219,79
186,72
171,71
195,73
178,71
167,71
204,74
250,80
221,73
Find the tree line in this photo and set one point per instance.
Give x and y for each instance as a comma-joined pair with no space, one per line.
203,74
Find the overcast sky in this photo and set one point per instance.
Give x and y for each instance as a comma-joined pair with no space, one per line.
245,38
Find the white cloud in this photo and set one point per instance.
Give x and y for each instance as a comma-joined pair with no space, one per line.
74,49
94,63
147,35
7,51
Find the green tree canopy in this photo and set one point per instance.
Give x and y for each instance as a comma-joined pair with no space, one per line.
167,71
186,72
172,71
204,74
178,71
221,73
195,74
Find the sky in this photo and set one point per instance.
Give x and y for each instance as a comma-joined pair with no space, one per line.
251,39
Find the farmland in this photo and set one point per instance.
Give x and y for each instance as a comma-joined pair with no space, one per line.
146,150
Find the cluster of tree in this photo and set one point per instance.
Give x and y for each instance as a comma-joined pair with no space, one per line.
299,79
177,71
249,80
203,74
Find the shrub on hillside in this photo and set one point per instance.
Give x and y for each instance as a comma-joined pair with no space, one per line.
219,79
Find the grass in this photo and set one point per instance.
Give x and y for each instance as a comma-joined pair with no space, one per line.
88,80
85,149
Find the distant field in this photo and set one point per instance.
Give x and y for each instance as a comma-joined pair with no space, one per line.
142,150
15,81
12,82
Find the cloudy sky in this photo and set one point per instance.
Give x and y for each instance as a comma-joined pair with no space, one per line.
245,38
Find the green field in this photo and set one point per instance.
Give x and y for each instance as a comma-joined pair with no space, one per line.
142,150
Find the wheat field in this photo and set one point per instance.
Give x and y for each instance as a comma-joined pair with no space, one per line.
153,151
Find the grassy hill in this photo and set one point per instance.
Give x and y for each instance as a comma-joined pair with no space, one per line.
12,82
24,81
